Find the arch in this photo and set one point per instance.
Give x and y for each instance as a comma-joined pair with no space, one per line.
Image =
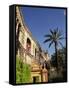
28,45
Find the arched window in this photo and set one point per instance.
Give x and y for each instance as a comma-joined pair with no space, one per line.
28,45
18,31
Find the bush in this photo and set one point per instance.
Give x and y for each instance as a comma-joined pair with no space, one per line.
23,71
55,75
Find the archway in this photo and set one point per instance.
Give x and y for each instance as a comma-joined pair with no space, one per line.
28,45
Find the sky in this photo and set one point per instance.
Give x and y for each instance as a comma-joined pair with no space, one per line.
41,20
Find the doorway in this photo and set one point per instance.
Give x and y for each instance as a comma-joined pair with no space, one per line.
35,79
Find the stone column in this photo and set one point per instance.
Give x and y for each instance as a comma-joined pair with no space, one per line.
44,75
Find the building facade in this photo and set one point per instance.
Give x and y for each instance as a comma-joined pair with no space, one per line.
29,50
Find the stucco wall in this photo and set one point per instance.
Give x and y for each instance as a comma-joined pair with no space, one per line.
23,35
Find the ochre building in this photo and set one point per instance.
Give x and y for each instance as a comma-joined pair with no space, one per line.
29,50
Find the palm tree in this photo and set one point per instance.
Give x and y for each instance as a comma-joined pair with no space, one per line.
54,38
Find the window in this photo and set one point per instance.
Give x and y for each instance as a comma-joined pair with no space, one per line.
28,45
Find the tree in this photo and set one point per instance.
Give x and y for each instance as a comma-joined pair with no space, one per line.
54,38
61,53
62,65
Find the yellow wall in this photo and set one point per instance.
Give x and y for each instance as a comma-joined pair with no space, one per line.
24,34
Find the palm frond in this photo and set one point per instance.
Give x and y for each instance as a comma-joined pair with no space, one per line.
51,31
59,33
48,35
47,40
50,44
60,43
57,30
61,38
55,36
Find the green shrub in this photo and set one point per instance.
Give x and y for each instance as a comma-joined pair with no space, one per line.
23,71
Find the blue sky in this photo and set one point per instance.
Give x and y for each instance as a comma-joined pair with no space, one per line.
40,20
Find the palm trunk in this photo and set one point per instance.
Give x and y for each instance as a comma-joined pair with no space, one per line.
56,55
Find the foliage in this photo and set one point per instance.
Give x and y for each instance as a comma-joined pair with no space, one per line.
61,57
61,74
23,71
54,38
55,76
